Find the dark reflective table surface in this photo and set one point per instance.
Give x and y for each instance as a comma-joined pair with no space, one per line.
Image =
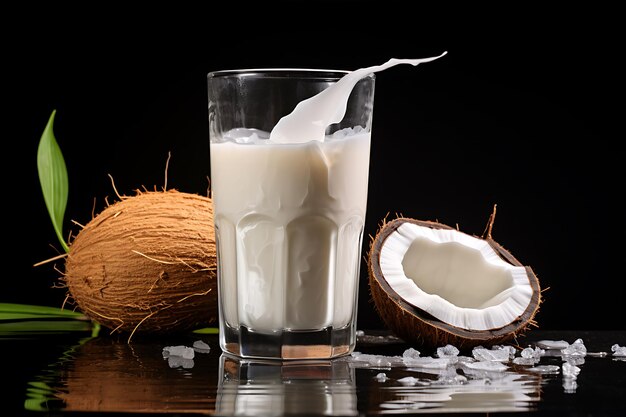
70,374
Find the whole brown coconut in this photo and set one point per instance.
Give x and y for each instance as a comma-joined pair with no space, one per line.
147,264
417,326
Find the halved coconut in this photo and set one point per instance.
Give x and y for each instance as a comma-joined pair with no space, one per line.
434,285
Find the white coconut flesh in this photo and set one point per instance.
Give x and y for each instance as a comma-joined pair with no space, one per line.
458,279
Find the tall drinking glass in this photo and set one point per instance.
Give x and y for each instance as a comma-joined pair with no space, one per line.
288,216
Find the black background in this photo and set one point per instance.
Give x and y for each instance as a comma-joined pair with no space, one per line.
519,113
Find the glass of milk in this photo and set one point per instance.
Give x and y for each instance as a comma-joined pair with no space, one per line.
289,214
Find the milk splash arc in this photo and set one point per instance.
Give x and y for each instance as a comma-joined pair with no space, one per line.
289,215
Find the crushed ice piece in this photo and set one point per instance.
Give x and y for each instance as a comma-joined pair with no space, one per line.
411,353
569,385
525,361
510,349
180,362
446,351
429,362
545,369
499,355
453,379
381,377
618,350
552,344
530,353
575,349
408,380
201,347
360,333
574,360
182,351
597,354
569,370
487,365
378,361
465,359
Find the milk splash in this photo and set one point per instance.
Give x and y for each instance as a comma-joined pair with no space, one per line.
309,119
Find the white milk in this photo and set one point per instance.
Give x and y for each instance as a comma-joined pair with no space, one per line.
305,205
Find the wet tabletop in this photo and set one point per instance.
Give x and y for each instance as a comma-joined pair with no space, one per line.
75,374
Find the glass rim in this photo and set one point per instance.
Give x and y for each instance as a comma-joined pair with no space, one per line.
292,73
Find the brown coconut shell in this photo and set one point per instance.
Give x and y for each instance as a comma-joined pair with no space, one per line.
147,264
416,326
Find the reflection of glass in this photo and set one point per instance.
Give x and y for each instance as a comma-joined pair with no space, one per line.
271,388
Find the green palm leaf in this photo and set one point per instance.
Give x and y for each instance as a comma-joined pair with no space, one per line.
53,178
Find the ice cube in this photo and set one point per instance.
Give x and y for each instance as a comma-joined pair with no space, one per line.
525,361
545,369
499,355
510,349
569,370
182,351
428,362
530,353
446,351
618,350
574,360
360,333
575,349
408,380
381,377
180,362
552,344
569,385
451,378
377,361
487,365
201,347
411,353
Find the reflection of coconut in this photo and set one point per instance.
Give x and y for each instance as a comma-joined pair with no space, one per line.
272,388
110,375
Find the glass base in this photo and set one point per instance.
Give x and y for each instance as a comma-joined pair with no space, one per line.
288,344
